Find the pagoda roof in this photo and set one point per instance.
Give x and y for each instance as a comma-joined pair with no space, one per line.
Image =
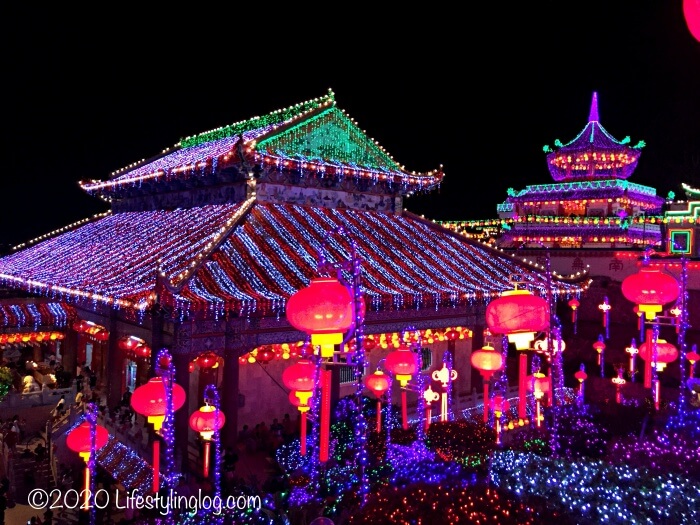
593,153
27,315
249,258
312,136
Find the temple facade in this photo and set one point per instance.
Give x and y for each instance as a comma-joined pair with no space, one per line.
203,244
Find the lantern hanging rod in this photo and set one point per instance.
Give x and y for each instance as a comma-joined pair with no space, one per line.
662,320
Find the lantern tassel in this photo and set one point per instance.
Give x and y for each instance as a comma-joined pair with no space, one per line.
207,446
156,465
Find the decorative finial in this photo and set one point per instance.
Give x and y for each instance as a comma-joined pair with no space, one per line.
593,115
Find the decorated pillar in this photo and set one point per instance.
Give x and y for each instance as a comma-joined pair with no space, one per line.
230,387
115,357
182,378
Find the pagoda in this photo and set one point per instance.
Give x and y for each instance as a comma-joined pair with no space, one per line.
591,203
204,243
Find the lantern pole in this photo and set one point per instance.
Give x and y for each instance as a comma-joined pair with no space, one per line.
353,265
166,370
91,416
683,325
211,395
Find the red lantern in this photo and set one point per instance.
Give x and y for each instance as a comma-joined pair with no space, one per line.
129,342
143,351
574,304
650,289
487,361
265,355
665,353
206,421
79,325
324,310
369,343
402,363
78,439
691,12
300,376
692,357
581,376
191,365
539,383
452,334
499,404
149,400
207,360
377,382
519,314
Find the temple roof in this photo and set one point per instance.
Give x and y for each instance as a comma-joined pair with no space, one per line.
249,258
27,316
312,136
593,154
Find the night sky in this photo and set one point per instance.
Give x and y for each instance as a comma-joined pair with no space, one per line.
478,92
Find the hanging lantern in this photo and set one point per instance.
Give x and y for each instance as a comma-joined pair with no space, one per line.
599,346
581,376
487,361
324,310
142,351
129,342
207,420
402,363
149,400
300,376
452,334
519,314
101,335
539,384
692,357
265,355
574,304
207,360
377,383
650,289
665,353
80,440
691,12
300,379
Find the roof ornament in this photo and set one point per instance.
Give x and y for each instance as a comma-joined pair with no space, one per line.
593,114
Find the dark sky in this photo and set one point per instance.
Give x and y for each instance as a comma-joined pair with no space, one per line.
479,91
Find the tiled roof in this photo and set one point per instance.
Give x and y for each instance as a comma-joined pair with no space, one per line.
249,258
34,316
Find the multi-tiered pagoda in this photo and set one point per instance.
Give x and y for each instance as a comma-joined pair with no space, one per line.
591,203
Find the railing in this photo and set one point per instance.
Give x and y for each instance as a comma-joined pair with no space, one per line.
46,396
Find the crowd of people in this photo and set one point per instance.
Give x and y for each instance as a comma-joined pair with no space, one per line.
264,438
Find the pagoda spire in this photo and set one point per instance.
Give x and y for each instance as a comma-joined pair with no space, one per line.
593,115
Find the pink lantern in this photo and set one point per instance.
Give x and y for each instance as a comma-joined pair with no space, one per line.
665,353
691,12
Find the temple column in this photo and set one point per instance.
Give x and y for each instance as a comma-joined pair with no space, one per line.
229,397
182,416
116,376
69,353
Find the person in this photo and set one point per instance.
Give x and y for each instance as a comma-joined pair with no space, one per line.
40,452
48,517
288,428
3,507
60,406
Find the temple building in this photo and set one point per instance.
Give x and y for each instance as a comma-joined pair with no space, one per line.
204,243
